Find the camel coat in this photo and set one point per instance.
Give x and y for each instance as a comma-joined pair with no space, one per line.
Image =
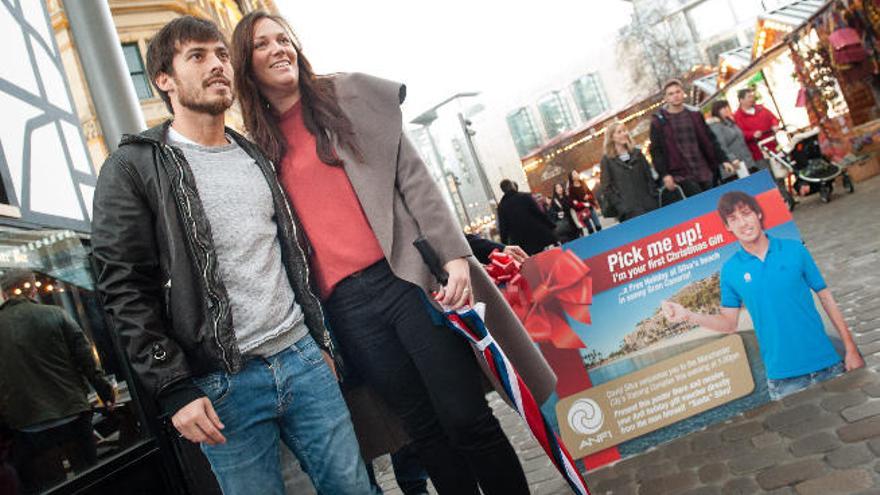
401,202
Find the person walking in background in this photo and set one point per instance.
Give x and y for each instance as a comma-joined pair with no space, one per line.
756,123
627,187
363,196
568,228
521,222
583,201
46,362
731,140
200,269
483,247
682,146
670,192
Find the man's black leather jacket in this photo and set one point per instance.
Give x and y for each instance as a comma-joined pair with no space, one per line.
157,268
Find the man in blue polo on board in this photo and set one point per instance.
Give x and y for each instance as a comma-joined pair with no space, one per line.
773,278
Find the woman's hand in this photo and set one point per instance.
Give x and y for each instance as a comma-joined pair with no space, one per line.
457,292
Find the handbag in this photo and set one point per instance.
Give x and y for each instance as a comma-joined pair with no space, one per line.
609,208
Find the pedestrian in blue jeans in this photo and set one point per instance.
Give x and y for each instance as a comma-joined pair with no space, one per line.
773,278
200,268
363,196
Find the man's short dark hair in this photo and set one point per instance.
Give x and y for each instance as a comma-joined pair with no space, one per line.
507,186
731,200
672,82
163,46
15,278
743,93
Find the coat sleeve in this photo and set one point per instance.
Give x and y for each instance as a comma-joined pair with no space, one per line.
129,281
482,248
608,189
81,353
657,150
422,196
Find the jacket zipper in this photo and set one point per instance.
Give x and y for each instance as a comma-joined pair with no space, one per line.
328,342
218,301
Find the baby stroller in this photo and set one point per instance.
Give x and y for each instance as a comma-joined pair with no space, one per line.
801,156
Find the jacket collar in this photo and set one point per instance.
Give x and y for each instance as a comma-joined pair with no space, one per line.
15,301
158,136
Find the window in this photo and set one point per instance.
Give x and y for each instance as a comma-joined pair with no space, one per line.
555,114
136,71
60,424
589,96
525,136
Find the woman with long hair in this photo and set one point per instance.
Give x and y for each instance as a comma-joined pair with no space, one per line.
563,215
583,201
362,196
627,185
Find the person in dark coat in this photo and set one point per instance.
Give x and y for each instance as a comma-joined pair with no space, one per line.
521,222
627,186
46,365
564,216
682,146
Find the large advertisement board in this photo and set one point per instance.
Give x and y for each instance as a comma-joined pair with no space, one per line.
631,375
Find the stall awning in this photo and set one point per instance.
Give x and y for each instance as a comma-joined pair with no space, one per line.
793,14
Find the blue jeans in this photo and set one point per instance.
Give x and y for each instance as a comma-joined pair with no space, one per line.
787,386
292,397
592,221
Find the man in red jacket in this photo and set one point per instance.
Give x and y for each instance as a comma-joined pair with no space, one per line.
756,122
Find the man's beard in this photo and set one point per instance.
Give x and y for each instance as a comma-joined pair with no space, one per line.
189,98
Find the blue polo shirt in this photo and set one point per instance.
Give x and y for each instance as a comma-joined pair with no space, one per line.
776,292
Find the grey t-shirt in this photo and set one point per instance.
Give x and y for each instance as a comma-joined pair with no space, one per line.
240,211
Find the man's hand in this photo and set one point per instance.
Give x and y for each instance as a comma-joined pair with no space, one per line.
198,422
330,363
516,253
457,292
729,168
853,360
757,134
674,312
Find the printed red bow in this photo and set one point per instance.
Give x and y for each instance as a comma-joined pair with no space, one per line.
563,287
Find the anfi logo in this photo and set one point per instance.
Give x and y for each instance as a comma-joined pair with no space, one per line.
747,277
585,417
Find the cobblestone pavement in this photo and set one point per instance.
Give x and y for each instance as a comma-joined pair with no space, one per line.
822,441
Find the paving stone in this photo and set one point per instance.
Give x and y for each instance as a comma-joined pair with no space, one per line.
792,416
785,490
550,487
743,431
815,444
691,461
761,411
674,483
757,460
869,348
874,446
825,422
703,490
706,441
838,402
860,430
868,337
849,456
850,381
740,486
790,474
766,440
812,394
712,473
872,389
862,411
676,449
610,485
656,470
847,481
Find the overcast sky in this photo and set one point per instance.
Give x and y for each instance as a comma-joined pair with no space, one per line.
441,47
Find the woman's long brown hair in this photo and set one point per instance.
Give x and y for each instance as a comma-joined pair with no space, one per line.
320,109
